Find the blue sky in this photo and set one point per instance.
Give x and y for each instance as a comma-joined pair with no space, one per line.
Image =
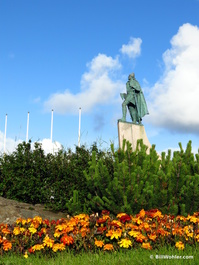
67,54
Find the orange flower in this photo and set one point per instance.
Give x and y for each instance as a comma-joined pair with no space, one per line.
5,231
108,247
99,243
7,245
145,226
82,216
179,245
141,238
152,236
153,213
162,232
146,246
142,213
67,240
84,231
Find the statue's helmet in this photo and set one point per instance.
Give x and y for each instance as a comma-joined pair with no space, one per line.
131,76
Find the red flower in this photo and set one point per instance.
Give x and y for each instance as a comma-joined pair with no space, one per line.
46,222
31,250
101,221
101,229
53,222
125,218
105,212
153,213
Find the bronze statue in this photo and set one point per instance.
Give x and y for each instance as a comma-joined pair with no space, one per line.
134,100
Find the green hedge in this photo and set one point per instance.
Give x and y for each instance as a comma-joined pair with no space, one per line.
89,180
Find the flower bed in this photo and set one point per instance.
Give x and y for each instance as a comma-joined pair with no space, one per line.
148,230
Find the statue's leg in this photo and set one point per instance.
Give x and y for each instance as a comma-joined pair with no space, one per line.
124,110
133,115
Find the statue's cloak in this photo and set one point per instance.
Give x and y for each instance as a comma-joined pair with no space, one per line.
136,98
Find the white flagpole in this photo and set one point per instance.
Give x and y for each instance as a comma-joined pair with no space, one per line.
79,126
27,127
51,135
5,133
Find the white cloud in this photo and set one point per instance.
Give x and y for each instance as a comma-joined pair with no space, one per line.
50,147
133,48
174,98
98,87
11,145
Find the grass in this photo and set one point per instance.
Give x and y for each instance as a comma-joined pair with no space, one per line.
124,257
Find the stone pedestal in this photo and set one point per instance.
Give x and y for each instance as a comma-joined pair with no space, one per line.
132,132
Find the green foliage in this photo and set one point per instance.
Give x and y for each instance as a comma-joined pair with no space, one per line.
90,180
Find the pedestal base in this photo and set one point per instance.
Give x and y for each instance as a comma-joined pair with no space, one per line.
132,132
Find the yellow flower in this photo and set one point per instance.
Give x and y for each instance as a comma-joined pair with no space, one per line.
57,234
32,230
114,233
38,247
22,229
108,247
179,245
125,243
16,231
120,215
188,230
146,245
48,242
192,219
134,233
58,246
138,221
82,216
99,243
37,219
61,227
197,238
25,255
116,222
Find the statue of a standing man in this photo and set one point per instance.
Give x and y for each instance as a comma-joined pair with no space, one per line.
134,100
